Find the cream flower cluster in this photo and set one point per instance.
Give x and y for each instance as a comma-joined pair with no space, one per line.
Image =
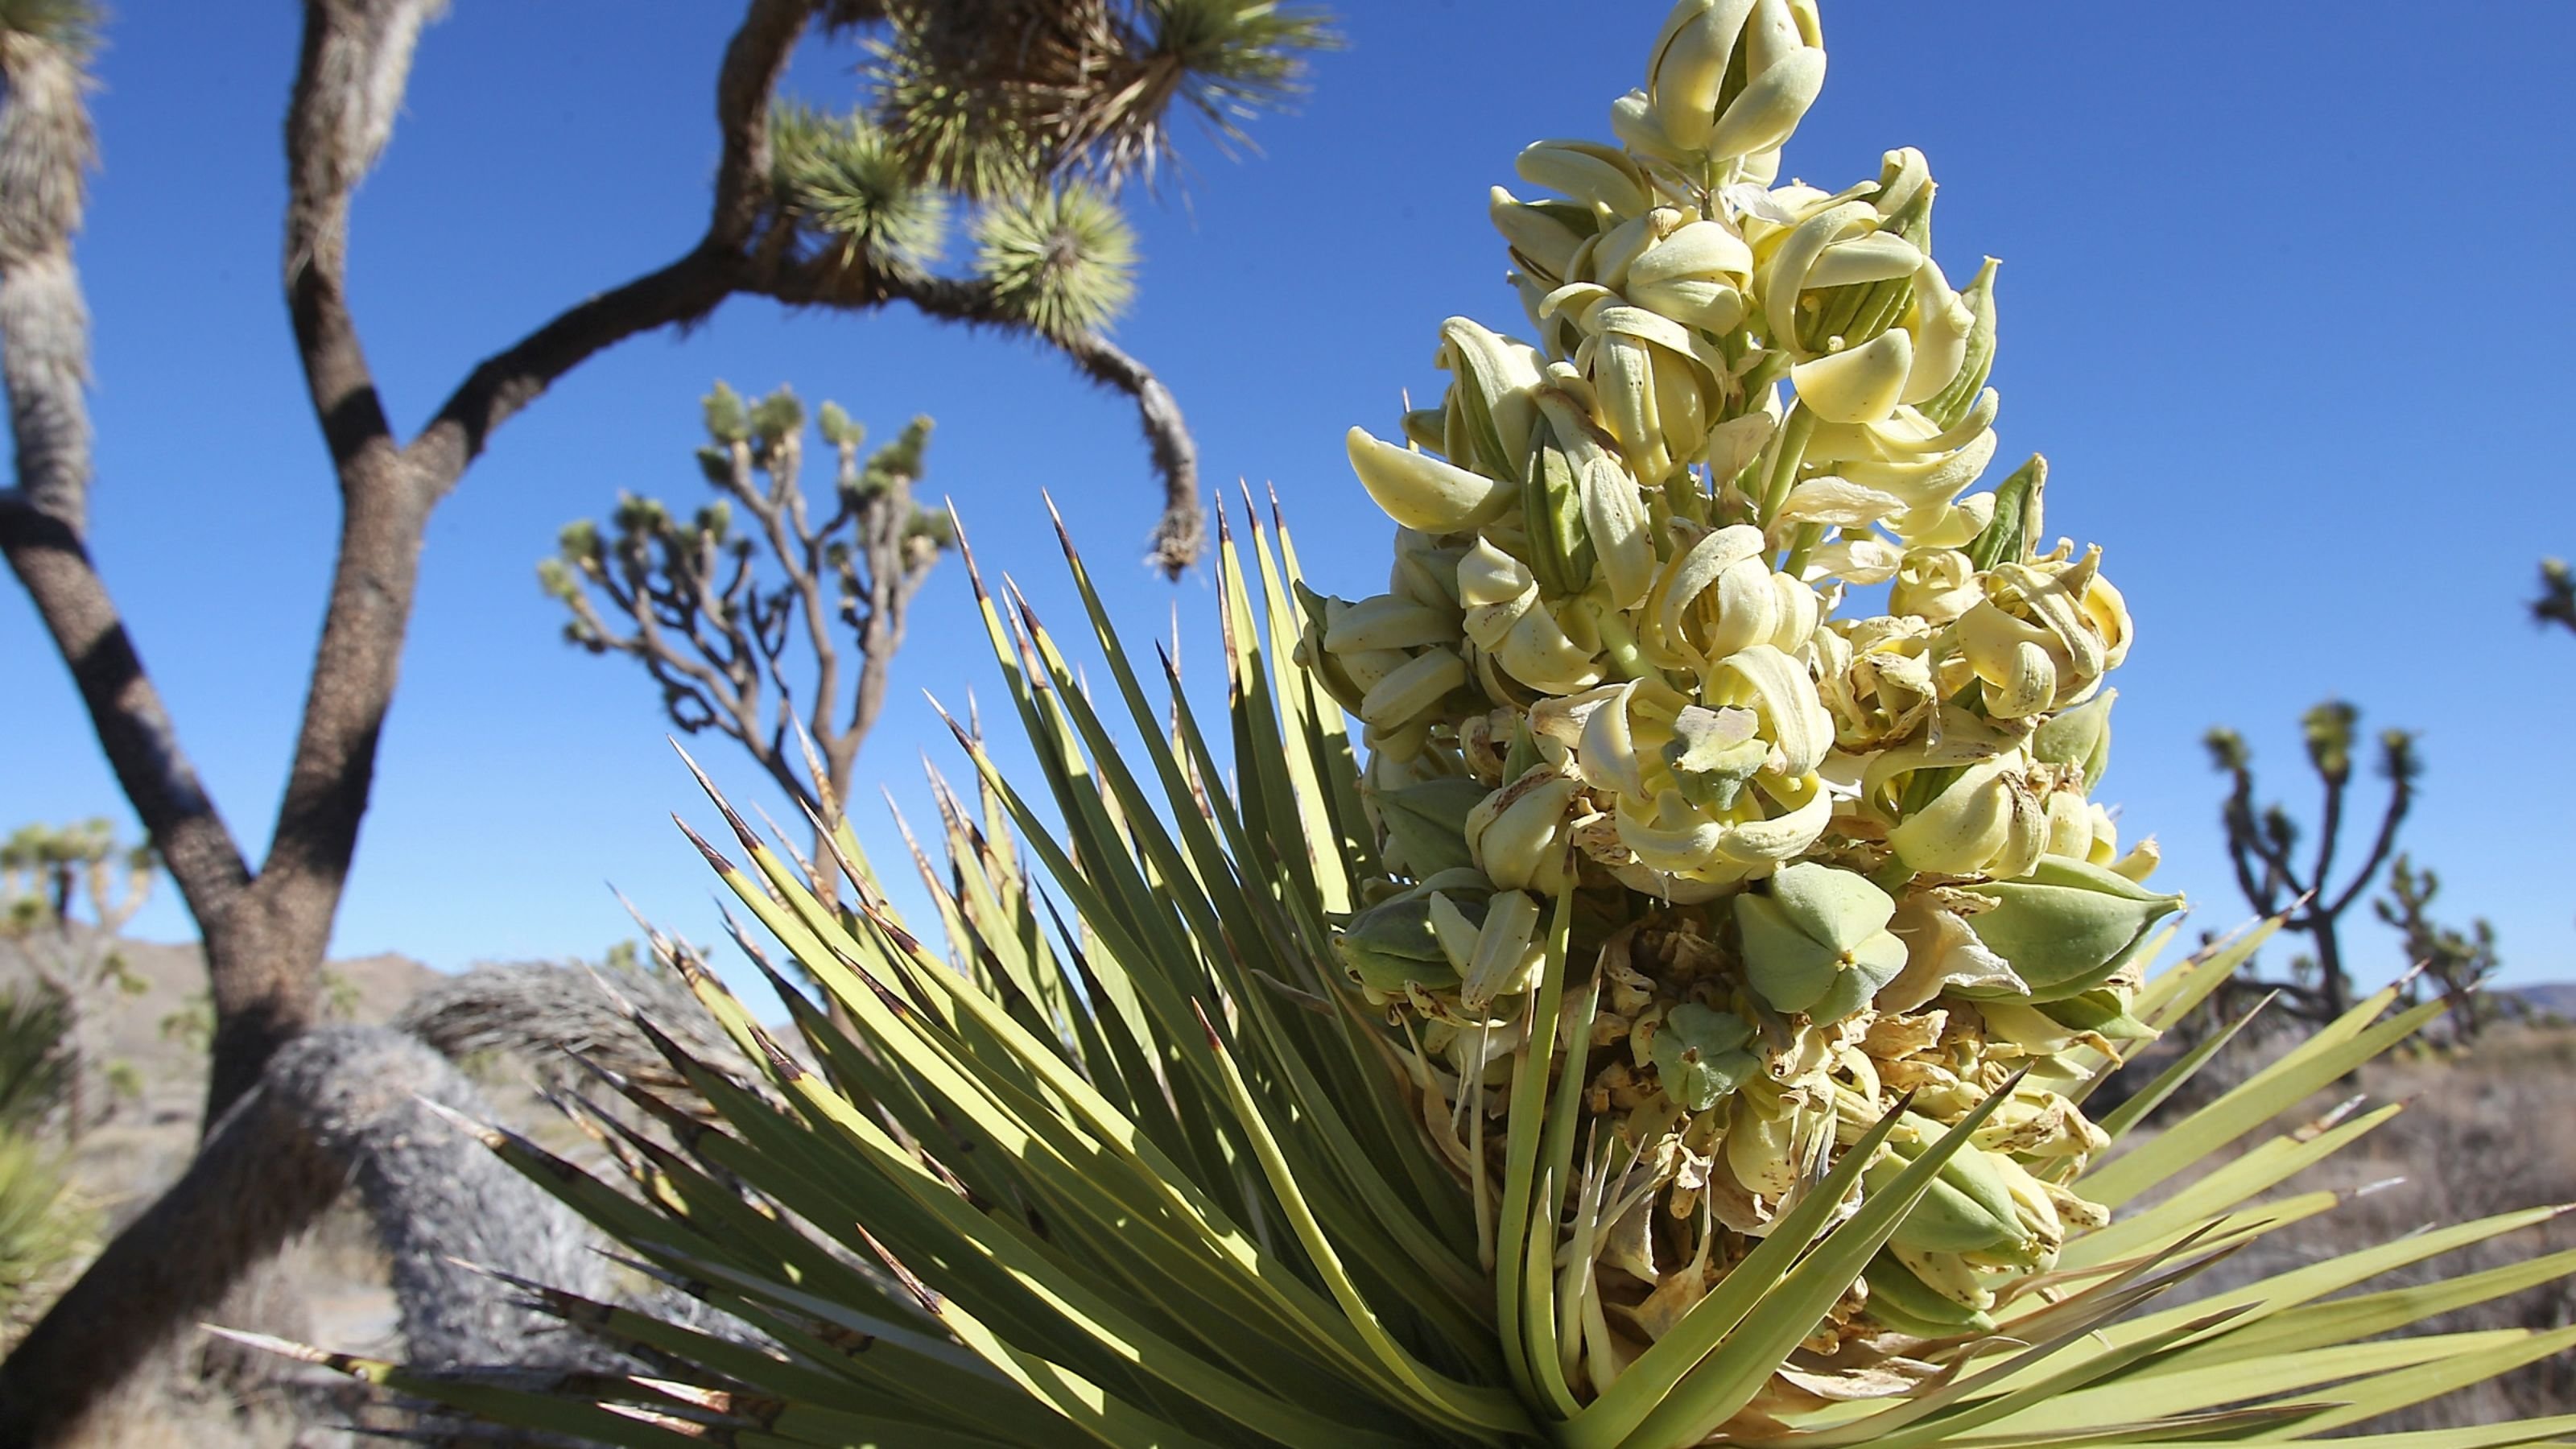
1824,856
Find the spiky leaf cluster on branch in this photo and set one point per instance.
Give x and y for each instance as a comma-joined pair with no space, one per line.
1029,113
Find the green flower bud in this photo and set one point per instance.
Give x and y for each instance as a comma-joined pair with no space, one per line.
1395,945
2067,927
1318,660
2102,1011
1954,402
2078,739
1819,943
1700,1055
1426,824
1614,517
1561,555
1426,428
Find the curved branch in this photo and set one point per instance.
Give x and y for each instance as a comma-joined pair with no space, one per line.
1180,536
133,725
44,369
2401,797
687,289
2237,816
507,381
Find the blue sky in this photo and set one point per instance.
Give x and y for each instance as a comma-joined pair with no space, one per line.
2277,302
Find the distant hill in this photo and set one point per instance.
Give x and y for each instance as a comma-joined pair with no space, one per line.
2558,998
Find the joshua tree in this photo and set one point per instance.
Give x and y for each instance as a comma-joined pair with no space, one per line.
45,871
2557,601
2456,964
738,613
2263,845
1007,103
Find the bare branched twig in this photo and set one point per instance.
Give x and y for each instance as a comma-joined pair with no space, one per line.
743,613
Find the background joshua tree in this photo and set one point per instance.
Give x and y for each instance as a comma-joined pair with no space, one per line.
46,872
2557,601
739,612
2263,846
2451,961
806,211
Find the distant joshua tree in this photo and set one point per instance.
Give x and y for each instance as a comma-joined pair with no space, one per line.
2278,878
46,873
2557,601
2263,845
763,616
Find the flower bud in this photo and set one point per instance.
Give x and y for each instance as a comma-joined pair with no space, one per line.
1317,611
1419,491
1652,388
1393,945
1517,834
1386,621
1600,177
1561,555
1413,689
1614,515
1489,414
1695,276
2078,739
1770,106
1426,824
1633,121
1507,957
1543,236
1858,385
1689,68
1954,401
